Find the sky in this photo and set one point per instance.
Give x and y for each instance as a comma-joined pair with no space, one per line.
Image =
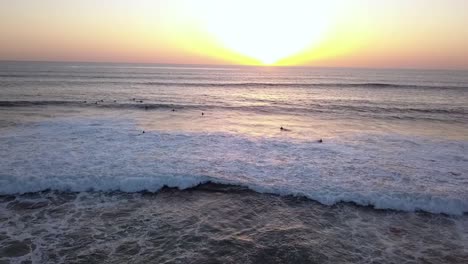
333,33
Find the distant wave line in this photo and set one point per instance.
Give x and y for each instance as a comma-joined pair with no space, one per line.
215,83
392,112
279,84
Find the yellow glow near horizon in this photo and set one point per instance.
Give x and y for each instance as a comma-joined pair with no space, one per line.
267,30
340,33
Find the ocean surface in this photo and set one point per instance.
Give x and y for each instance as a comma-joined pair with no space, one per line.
106,163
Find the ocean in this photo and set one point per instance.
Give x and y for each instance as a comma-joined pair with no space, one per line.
138,163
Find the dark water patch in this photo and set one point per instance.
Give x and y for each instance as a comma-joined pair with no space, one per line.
27,205
15,248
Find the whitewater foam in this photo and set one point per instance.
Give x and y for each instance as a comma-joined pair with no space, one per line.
384,171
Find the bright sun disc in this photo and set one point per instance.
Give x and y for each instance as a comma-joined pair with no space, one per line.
267,30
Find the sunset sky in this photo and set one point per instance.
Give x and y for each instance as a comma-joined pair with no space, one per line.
346,33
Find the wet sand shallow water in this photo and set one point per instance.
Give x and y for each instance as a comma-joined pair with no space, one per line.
214,223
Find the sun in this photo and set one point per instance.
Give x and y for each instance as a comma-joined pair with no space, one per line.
267,31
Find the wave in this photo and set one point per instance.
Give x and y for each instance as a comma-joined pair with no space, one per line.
161,79
110,104
361,108
383,171
300,84
84,103
23,103
86,77
377,200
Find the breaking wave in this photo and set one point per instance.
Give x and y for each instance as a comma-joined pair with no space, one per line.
383,171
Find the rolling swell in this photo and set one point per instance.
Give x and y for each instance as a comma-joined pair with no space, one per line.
361,108
301,85
206,82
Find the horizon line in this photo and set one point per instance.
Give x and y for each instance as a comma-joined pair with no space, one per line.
236,65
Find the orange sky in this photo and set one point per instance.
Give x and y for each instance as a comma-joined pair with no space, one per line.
343,33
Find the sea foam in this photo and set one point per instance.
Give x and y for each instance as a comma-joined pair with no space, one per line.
383,171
